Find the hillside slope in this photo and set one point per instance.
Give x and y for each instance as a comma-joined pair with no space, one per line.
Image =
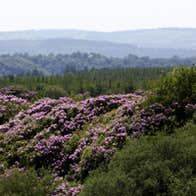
69,139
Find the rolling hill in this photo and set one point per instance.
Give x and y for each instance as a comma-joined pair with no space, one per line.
155,43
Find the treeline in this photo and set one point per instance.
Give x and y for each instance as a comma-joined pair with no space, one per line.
24,64
91,82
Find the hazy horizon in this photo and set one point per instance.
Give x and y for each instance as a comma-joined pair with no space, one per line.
94,30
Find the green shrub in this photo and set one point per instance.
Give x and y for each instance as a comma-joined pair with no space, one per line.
149,166
194,118
25,184
54,92
178,86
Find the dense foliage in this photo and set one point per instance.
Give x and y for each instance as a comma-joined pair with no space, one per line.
178,86
24,64
159,165
26,183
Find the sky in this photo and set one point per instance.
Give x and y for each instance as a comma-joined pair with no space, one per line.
98,15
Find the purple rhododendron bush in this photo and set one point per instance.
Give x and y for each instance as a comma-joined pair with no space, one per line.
71,138
67,137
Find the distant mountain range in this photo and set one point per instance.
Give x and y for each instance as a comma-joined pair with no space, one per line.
155,43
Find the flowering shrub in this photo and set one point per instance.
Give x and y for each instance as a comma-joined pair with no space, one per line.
12,99
9,106
18,91
152,118
50,151
59,133
65,189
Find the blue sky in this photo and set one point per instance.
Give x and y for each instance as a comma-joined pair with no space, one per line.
99,15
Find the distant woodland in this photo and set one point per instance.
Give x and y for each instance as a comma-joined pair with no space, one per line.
25,64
